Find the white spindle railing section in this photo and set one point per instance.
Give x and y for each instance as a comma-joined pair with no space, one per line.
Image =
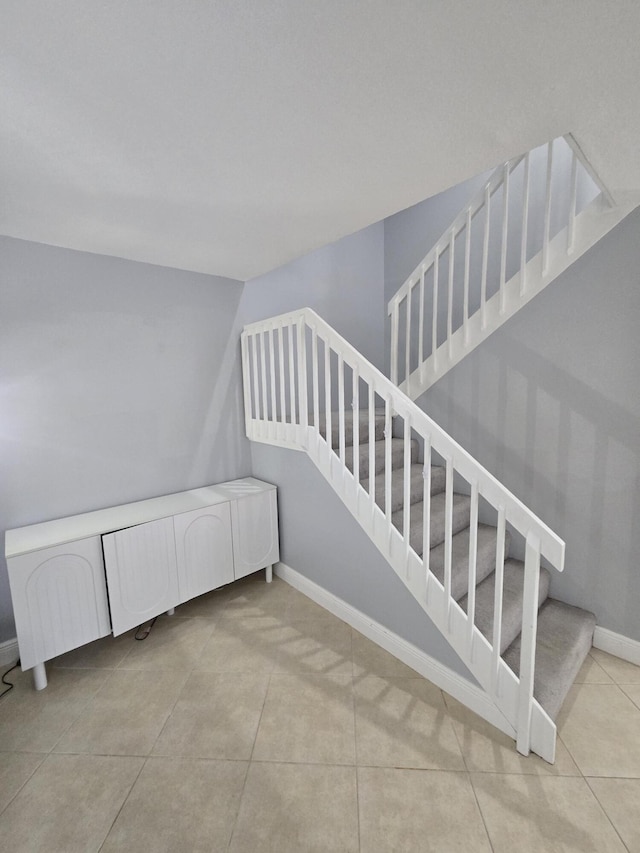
516,235
310,361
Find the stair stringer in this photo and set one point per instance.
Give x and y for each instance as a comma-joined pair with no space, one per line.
498,681
591,225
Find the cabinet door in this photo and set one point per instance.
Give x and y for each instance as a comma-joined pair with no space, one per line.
59,599
142,577
255,532
203,550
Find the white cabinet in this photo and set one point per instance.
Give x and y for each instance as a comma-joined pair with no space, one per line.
76,579
203,550
142,576
59,599
255,532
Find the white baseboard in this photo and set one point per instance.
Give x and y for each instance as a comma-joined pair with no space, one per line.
446,679
617,644
9,652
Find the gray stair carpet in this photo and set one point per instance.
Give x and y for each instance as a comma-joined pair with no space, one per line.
565,633
397,485
485,558
363,426
397,456
460,519
512,586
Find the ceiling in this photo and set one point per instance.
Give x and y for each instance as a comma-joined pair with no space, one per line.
230,137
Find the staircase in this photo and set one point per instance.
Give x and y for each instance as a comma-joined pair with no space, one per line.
473,556
536,215
564,634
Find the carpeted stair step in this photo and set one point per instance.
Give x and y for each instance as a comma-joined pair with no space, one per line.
397,485
397,455
460,519
363,426
511,602
485,560
565,635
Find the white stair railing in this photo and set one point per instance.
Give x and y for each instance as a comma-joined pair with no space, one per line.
299,374
536,214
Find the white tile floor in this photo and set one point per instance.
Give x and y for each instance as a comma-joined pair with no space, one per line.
253,720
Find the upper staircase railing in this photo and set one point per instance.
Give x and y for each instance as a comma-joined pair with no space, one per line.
299,377
533,217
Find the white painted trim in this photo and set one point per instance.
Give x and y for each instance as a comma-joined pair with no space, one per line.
446,679
9,652
617,644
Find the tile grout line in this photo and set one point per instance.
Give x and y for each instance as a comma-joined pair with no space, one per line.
467,772
45,755
605,812
90,699
482,817
355,741
246,775
122,805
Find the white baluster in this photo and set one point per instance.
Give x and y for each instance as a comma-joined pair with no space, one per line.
355,442
571,232
473,565
505,229
388,471
303,402
341,439
406,502
525,224
452,240
448,533
485,256
327,397
292,377
426,510
421,326
395,322
281,375
497,600
547,211
372,451
434,319
407,343
315,379
263,382
255,381
467,268
272,381
528,641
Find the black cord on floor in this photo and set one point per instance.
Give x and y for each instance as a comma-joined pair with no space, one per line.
147,630
8,683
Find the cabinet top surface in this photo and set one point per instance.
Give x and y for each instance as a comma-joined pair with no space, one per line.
23,540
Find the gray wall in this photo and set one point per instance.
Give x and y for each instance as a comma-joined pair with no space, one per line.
344,283
119,381
550,404
410,234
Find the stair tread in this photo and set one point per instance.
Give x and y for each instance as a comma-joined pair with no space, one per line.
438,475
565,635
460,519
485,559
363,426
397,455
513,584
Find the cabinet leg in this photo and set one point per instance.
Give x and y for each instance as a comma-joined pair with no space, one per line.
269,573
171,611
39,676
